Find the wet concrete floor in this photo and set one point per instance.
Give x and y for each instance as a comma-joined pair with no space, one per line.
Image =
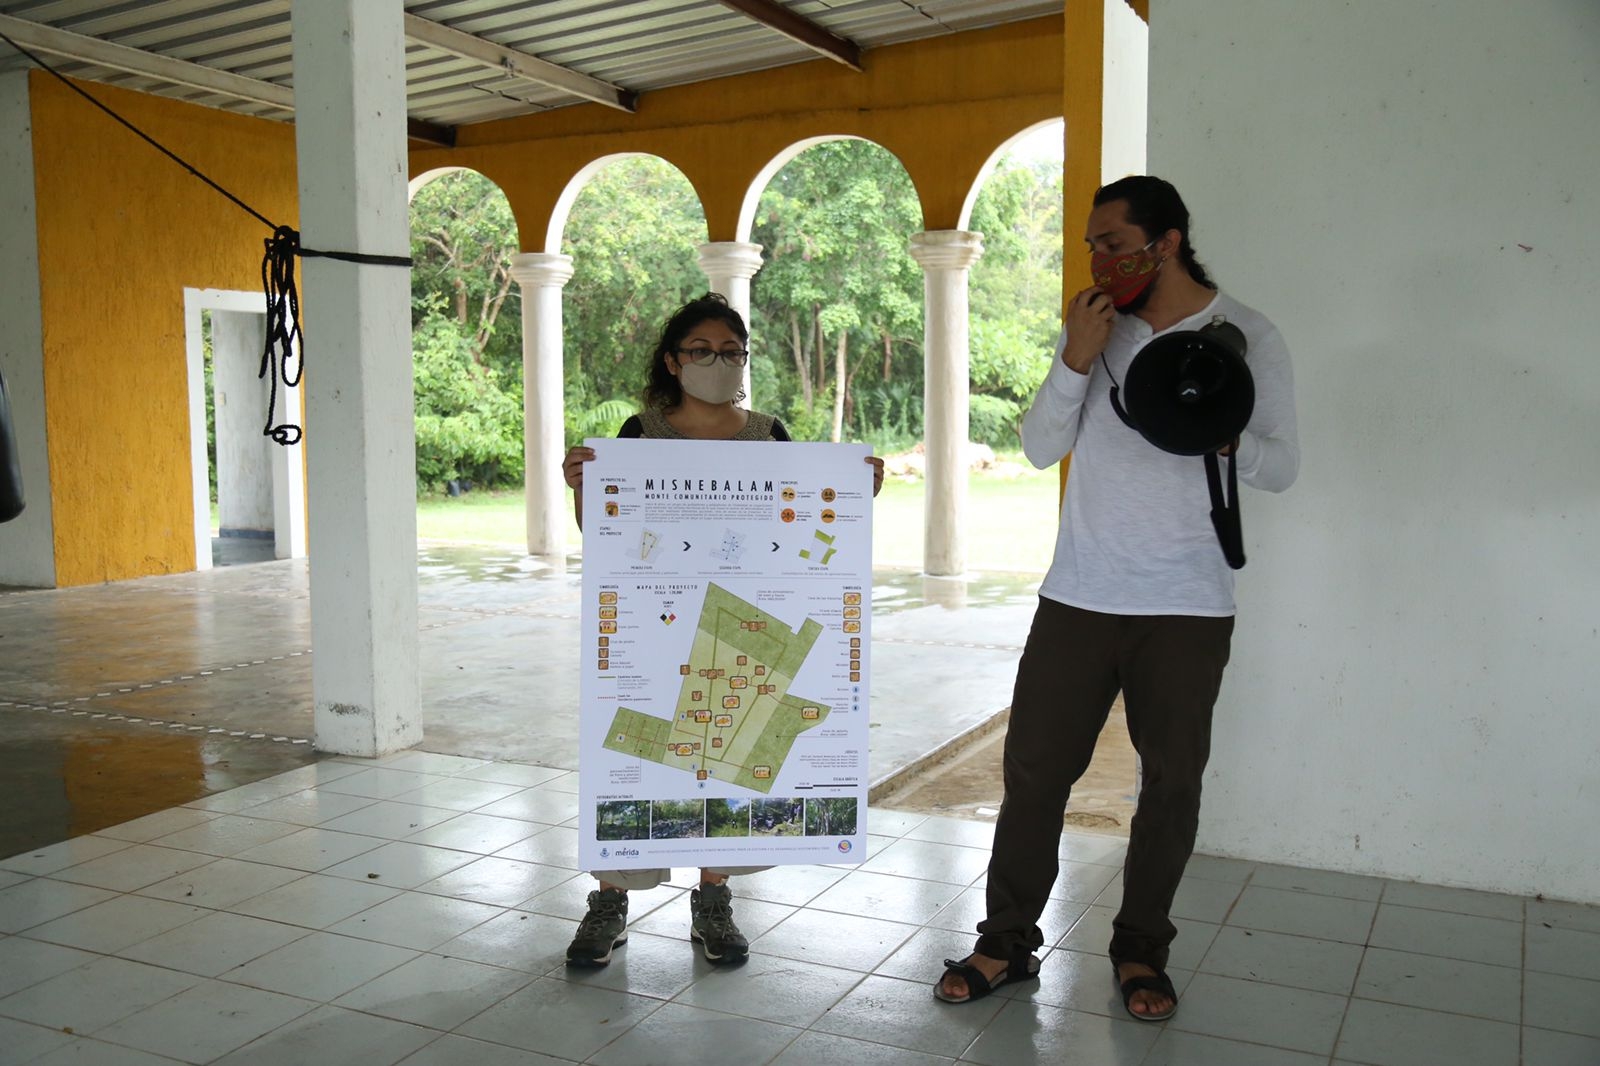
121,699
64,777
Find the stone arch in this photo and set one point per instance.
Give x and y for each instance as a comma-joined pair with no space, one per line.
763,178
415,185
993,161
562,212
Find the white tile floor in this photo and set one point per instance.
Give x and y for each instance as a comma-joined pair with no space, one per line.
418,911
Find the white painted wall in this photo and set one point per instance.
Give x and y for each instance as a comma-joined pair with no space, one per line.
27,542
1408,188
244,466
1124,112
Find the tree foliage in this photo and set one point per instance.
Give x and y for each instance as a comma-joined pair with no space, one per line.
466,334
468,418
632,236
1015,294
839,294
836,311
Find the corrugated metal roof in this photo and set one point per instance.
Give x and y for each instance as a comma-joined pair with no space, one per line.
639,45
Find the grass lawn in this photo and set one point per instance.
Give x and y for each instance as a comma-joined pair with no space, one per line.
1011,523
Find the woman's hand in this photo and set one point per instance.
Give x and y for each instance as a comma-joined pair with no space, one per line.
877,473
572,466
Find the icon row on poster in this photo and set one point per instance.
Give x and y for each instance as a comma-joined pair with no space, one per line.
788,514
788,494
699,818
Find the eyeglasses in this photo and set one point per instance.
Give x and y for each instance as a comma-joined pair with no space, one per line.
707,356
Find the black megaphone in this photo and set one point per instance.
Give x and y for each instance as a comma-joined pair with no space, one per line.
1191,393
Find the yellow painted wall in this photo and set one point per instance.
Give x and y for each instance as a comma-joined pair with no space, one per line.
122,231
942,106
1081,105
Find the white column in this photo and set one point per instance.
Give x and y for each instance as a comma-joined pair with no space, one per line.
288,491
945,257
542,276
350,139
729,266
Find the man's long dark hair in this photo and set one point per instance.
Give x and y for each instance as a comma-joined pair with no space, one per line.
1155,207
663,390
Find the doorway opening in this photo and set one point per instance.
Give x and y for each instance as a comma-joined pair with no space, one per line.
249,493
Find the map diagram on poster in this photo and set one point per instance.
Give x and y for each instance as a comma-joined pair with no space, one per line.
736,719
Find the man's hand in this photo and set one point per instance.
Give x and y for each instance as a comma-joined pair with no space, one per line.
1090,316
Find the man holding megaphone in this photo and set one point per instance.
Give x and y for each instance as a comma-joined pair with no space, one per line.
1158,377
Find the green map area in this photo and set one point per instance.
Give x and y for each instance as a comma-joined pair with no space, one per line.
735,720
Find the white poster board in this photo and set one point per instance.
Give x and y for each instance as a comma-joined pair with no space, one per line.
726,640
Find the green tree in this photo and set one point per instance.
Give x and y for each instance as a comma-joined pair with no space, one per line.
463,238
1015,295
466,334
836,311
632,235
839,289
468,419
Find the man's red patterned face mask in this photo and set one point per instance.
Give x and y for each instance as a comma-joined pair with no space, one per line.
1124,277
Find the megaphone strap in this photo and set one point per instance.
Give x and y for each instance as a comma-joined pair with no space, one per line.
1225,511
1116,397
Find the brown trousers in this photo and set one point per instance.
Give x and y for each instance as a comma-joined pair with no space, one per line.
1169,669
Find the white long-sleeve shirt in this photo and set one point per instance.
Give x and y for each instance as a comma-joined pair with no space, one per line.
1136,534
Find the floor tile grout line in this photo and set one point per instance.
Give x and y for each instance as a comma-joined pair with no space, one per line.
197,674
1522,997
1355,981
173,728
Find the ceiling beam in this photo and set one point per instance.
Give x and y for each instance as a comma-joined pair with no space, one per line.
775,16
85,49
431,133
515,64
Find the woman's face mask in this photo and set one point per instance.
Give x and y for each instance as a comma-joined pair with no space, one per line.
718,383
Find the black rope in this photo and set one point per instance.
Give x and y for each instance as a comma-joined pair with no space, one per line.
283,331
283,345
283,357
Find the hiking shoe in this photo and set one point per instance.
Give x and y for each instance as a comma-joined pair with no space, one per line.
602,929
711,925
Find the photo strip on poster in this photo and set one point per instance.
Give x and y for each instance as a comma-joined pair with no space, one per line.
726,628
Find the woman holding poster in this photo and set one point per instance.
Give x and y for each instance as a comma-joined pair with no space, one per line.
696,380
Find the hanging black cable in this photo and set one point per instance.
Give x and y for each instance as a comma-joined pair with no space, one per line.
283,345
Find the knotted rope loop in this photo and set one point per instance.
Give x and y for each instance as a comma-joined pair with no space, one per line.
281,358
